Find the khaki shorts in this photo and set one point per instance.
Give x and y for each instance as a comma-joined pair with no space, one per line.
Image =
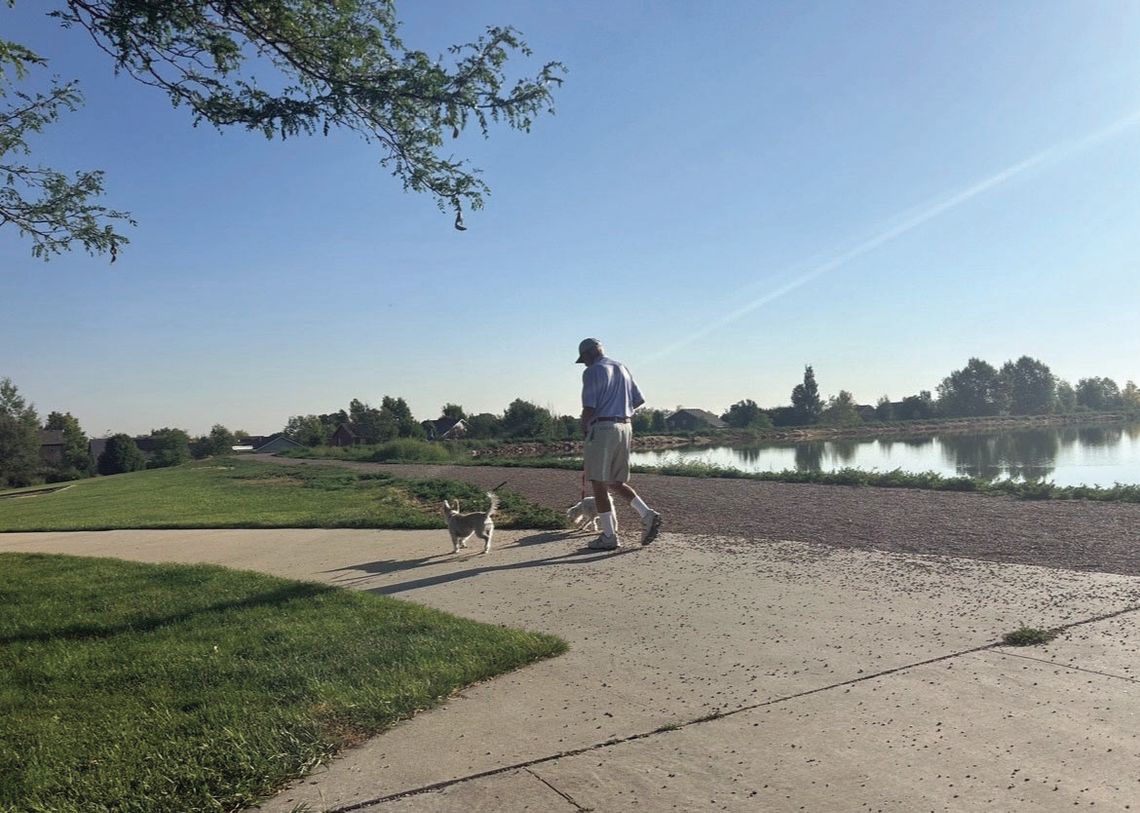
606,452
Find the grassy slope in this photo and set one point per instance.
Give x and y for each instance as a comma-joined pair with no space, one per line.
235,493
173,688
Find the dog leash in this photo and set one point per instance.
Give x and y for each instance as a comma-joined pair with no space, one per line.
500,485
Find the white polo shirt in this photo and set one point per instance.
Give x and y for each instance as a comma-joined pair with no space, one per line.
609,389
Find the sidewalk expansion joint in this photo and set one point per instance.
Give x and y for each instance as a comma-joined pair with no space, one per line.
1067,667
561,793
714,715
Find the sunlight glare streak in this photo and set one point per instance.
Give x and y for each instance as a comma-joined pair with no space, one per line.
923,214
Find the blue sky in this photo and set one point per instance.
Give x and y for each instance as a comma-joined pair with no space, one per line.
729,191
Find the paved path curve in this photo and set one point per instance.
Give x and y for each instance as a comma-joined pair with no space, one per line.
1072,534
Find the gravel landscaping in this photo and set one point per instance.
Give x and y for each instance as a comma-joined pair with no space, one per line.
1074,535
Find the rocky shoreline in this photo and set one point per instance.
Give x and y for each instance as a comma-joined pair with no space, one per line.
573,448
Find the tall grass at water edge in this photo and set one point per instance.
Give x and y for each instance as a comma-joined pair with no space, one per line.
897,478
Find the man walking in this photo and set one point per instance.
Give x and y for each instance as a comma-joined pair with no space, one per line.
609,398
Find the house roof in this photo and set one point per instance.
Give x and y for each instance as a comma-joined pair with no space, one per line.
444,425
702,415
280,442
347,430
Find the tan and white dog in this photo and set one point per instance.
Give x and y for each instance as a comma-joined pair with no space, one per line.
462,526
583,514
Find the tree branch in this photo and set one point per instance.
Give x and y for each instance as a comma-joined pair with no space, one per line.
343,66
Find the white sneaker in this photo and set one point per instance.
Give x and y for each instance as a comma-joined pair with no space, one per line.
651,527
604,542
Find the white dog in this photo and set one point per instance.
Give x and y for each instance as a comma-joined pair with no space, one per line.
461,526
583,514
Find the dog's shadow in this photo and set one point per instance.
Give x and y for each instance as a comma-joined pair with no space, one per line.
386,566
383,567
578,556
543,538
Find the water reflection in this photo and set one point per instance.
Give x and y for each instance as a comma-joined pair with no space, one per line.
1092,455
1028,454
1031,454
844,450
748,454
809,456
1099,436
1068,436
905,443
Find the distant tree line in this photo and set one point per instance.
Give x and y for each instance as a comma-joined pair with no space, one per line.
20,443
393,419
1023,387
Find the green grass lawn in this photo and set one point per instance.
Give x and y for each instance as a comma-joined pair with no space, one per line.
236,493
171,688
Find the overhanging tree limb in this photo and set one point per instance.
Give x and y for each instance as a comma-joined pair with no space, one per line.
281,67
334,64
47,206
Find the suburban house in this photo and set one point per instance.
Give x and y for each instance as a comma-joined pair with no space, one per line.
343,436
51,446
866,412
280,443
687,420
445,428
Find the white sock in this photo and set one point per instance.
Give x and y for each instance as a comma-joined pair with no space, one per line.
609,526
641,508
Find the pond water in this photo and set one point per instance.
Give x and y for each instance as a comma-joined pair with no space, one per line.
1067,456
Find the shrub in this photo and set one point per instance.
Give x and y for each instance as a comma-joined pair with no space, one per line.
171,448
1028,636
63,474
121,455
1036,491
412,451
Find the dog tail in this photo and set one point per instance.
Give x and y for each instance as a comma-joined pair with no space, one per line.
494,503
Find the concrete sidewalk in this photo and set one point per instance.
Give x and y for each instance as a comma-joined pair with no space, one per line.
717,674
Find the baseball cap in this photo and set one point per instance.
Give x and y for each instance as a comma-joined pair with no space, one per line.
585,346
